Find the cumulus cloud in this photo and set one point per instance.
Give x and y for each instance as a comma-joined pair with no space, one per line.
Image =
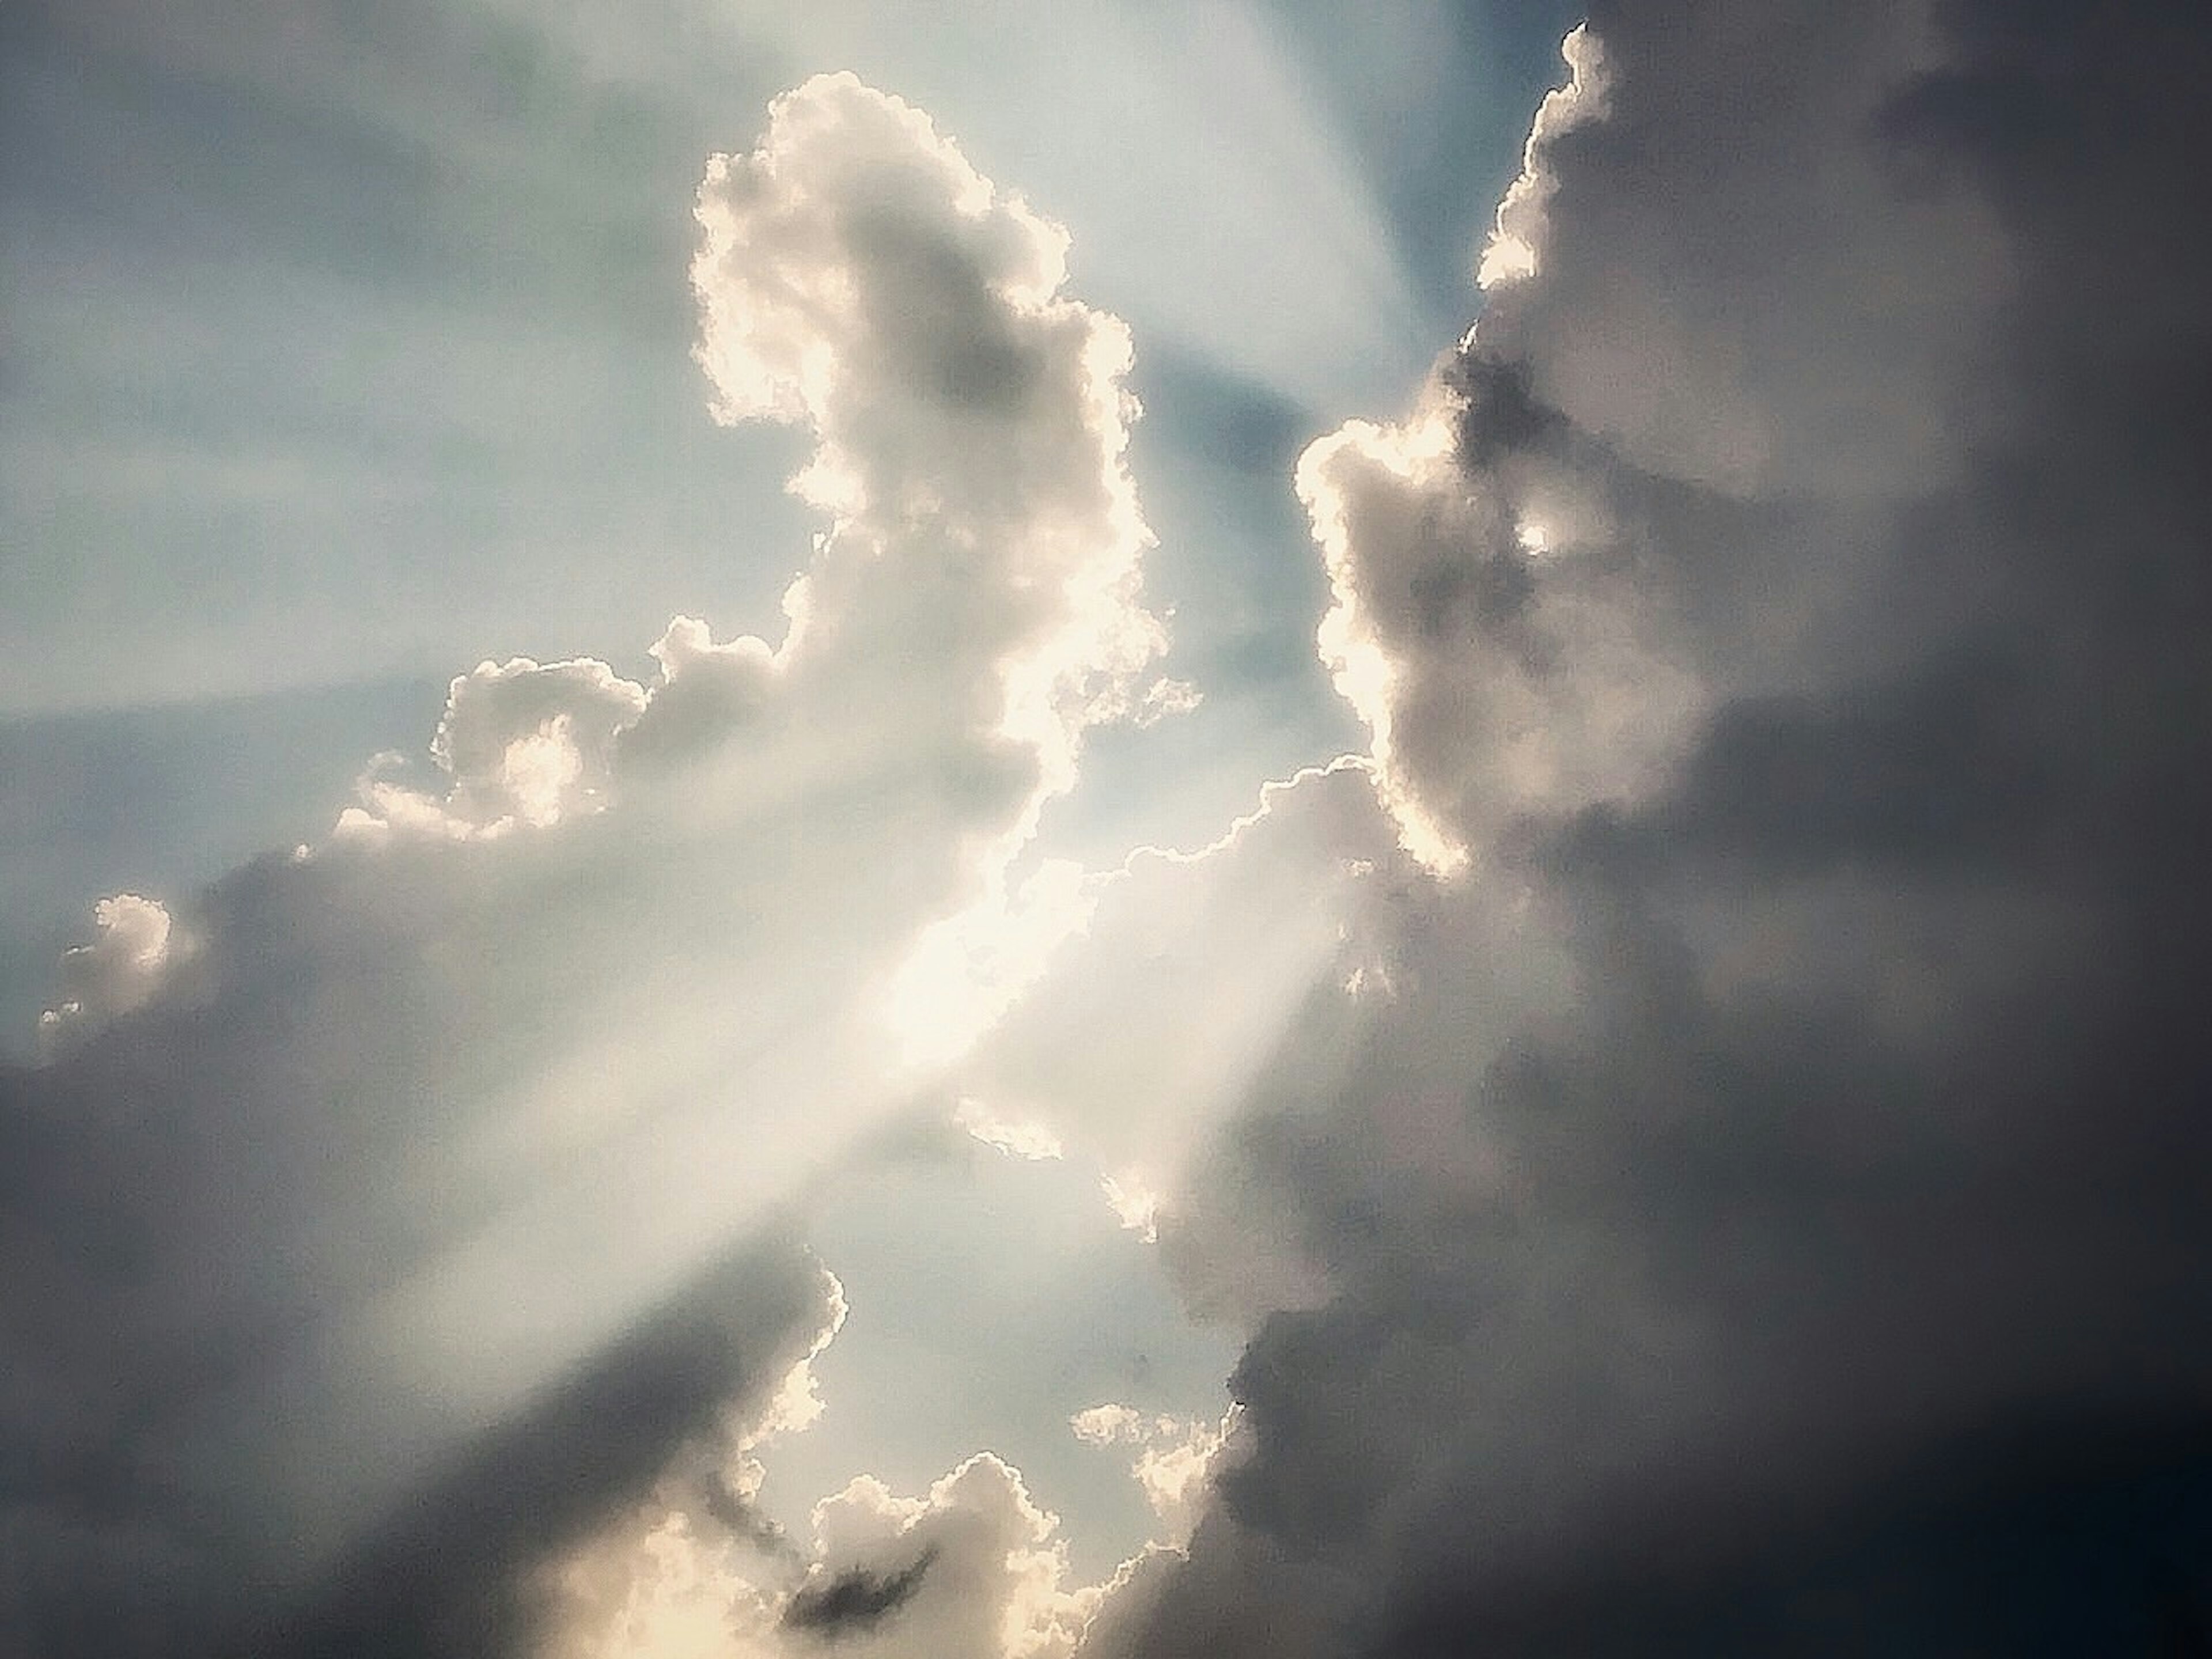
971,418
520,746
1758,1206
1510,253
118,971
467,1127
1496,630
971,1569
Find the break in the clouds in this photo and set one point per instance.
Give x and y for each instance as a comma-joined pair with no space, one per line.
970,1568
1700,1128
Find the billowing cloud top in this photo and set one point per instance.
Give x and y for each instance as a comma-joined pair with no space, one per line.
401,1148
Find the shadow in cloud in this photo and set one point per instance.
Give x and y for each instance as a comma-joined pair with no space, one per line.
449,1577
2047,1538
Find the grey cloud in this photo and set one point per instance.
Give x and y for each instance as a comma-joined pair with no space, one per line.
161,801
1815,320
1767,1214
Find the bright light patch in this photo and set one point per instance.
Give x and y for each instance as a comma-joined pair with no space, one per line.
1032,1142
1358,464
967,969
1134,1205
538,770
118,972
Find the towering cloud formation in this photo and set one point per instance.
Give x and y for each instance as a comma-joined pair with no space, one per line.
449,1144
859,275
1768,1211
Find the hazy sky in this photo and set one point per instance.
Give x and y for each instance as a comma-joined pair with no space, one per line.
1032,831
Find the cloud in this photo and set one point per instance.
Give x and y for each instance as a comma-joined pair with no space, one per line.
1495,629
1752,1199
451,1154
966,412
1510,255
854,1600
970,1570
118,971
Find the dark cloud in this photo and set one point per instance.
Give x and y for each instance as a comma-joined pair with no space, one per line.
2042,1539
1497,413
1768,1213
854,1600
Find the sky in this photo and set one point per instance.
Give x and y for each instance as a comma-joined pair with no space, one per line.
1036,831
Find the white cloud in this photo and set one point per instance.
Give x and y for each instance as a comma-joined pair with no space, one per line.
520,745
1102,1425
995,1582
1419,457
525,1049
971,418
972,428
118,971
1516,238
971,1569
